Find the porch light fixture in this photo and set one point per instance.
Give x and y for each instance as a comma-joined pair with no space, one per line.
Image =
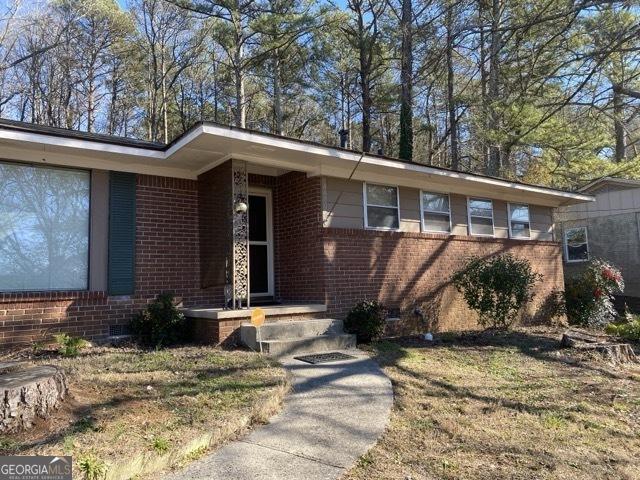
241,207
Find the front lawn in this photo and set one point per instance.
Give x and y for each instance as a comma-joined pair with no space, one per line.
504,406
135,411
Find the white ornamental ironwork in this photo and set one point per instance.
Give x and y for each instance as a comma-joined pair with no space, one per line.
240,235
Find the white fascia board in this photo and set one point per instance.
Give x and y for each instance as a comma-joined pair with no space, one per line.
320,152
285,143
487,181
83,160
612,181
80,144
184,141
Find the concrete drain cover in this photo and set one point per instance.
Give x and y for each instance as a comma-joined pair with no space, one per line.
323,357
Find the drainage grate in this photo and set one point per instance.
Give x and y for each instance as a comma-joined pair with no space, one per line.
118,330
323,357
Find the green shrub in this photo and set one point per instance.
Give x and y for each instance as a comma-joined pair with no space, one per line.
92,467
160,444
367,320
589,296
496,288
69,346
161,324
630,329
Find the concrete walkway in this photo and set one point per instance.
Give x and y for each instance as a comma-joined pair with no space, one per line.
335,413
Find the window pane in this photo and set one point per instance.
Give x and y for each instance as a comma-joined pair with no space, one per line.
44,228
382,217
436,222
435,202
481,226
257,218
480,208
520,230
519,213
382,195
258,269
577,247
578,252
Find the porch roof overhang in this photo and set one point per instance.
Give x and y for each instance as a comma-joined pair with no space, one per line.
207,145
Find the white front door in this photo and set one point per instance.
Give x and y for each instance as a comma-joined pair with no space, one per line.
260,243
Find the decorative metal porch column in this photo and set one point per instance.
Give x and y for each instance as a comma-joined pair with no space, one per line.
240,195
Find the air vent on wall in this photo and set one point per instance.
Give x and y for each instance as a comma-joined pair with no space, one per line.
118,330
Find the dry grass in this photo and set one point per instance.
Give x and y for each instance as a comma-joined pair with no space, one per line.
141,411
505,406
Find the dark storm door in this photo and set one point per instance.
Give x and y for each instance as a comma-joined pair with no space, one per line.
260,243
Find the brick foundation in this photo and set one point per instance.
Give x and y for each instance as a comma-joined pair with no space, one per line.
227,332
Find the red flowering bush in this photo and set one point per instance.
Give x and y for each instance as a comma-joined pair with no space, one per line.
589,297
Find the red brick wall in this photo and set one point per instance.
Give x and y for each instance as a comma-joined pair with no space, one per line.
297,216
215,201
312,264
167,259
299,253
409,270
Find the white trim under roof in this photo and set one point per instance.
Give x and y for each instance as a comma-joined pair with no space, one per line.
623,182
207,145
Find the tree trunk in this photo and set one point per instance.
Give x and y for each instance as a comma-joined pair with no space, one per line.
29,393
367,103
451,103
493,167
618,123
277,94
90,100
241,107
406,82
617,353
165,115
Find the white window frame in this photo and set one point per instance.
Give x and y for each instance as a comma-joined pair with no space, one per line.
566,245
528,221
493,223
267,193
422,211
366,204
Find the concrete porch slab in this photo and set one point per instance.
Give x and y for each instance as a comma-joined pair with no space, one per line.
271,310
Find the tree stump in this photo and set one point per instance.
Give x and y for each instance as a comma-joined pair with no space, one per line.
617,353
29,392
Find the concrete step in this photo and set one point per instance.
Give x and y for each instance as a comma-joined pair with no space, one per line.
289,330
315,344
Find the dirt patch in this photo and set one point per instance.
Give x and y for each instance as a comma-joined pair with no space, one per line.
505,406
135,412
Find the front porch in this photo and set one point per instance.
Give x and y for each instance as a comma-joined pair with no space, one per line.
259,245
219,325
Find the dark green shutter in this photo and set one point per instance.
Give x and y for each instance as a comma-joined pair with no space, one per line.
122,233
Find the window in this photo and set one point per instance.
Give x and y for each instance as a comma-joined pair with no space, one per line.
519,226
480,216
44,228
576,244
381,207
436,214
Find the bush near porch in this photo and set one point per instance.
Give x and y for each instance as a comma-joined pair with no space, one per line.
504,405
132,411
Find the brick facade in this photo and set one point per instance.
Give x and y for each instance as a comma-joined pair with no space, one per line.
298,224
297,216
167,259
409,270
312,264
